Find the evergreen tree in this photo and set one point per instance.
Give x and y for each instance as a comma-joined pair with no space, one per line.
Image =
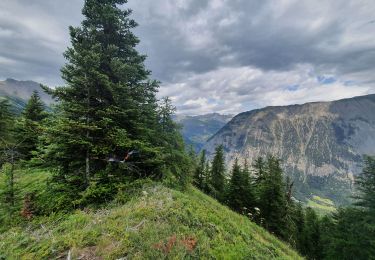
299,222
5,121
108,109
351,232
235,198
248,190
28,127
207,178
200,170
272,199
366,186
35,108
311,239
174,155
8,159
217,180
350,237
259,166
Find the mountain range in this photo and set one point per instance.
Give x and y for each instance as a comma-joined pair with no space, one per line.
321,144
18,92
196,130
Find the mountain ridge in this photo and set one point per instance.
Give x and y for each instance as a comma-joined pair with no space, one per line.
21,90
320,143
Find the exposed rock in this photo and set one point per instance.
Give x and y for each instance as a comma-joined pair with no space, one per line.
321,144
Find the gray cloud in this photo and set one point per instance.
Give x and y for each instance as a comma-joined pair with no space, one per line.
215,55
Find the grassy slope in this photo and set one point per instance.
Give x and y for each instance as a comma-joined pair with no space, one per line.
161,223
322,206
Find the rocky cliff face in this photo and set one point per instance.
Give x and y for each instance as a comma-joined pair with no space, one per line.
321,144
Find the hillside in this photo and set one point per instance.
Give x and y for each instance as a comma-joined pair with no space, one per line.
196,130
321,144
155,223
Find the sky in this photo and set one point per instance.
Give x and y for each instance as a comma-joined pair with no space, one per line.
225,56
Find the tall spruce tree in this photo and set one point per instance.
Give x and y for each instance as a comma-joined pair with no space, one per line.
28,127
235,198
35,108
200,170
217,180
311,239
366,186
174,155
259,167
8,158
5,120
272,198
248,190
108,106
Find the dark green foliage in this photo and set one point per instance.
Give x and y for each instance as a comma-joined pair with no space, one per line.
108,107
248,190
175,158
108,126
351,236
35,108
272,198
5,120
310,244
259,169
200,171
351,232
28,127
234,197
217,178
240,195
366,186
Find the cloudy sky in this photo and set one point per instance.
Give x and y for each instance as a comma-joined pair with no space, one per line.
223,56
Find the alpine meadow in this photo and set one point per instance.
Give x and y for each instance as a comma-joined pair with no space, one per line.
247,132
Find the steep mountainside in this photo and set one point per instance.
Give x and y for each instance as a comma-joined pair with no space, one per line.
320,144
20,91
151,221
196,130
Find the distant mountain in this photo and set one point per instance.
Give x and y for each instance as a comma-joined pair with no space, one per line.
20,91
321,144
196,130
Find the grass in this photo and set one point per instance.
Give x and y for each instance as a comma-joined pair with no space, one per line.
161,223
322,206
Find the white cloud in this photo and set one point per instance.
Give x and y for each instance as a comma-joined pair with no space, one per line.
214,55
233,90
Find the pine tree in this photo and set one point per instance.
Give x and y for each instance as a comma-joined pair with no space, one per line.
217,180
240,195
366,186
248,190
207,178
272,198
200,170
35,108
299,222
350,237
259,169
350,234
311,239
28,127
108,106
175,157
8,160
5,121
